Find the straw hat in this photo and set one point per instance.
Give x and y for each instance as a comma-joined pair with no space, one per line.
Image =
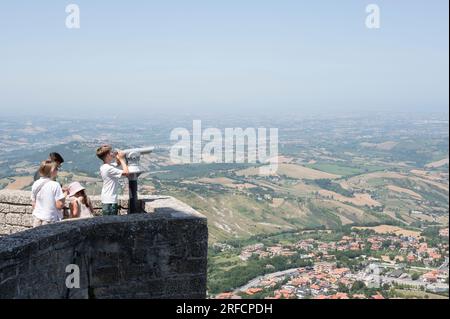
74,188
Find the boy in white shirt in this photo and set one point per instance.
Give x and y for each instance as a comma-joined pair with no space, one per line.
47,196
111,175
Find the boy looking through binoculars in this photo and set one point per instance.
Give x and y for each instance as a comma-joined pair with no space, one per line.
111,176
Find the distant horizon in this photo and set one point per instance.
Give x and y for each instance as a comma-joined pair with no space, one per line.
227,114
230,119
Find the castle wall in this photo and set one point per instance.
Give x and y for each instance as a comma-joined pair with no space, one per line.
162,254
16,210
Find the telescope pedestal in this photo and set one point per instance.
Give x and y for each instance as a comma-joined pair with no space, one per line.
133,157
133,205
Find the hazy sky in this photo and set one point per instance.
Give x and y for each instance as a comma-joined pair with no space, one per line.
233,55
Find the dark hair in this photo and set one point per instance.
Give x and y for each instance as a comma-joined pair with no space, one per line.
56,157
84,199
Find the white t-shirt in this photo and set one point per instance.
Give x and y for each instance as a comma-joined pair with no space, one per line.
45,208
110,176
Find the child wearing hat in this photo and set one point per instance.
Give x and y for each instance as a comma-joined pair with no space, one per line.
80,205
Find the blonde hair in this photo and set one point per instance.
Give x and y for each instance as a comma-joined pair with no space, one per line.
102,151
47,167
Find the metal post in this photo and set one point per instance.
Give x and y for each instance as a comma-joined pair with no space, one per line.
133,201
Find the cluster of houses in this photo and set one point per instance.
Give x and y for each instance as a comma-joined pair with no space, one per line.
323,279
319,282
436,276
396,249
261,251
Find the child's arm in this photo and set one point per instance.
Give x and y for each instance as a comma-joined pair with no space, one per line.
60,197
74,210
123,163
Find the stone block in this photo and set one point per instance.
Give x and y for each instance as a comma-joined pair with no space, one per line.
105,276
16,197
20,209
187,266
27,220
8,289
13,219
17,229
4,208
8,272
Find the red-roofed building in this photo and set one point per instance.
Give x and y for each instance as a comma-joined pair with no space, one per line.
252,291
299,281
341,271
435,255
340,295
283,293
315,287
431,276
423,248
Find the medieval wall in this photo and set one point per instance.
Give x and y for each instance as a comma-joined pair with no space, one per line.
15,210
160,254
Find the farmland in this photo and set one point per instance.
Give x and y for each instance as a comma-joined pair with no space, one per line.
390,171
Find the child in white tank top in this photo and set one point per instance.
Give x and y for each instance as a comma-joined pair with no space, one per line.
80,205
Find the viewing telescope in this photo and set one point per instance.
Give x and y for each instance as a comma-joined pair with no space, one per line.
133,157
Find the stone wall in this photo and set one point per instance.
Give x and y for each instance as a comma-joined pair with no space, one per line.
15,212
160,254
15,209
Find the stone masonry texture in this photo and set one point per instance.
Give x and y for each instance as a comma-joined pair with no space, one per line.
161,253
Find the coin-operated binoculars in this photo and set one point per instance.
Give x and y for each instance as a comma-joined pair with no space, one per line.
133,157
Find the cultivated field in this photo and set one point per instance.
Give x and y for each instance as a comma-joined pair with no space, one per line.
404,191
437,164
358,199
387,229
364,178
20,183
226,182
292,171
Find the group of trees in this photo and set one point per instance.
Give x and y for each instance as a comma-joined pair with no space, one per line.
349,259
240,275
334,187
360,288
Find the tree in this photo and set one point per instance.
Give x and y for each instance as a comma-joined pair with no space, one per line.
358,286
415,276
342,288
